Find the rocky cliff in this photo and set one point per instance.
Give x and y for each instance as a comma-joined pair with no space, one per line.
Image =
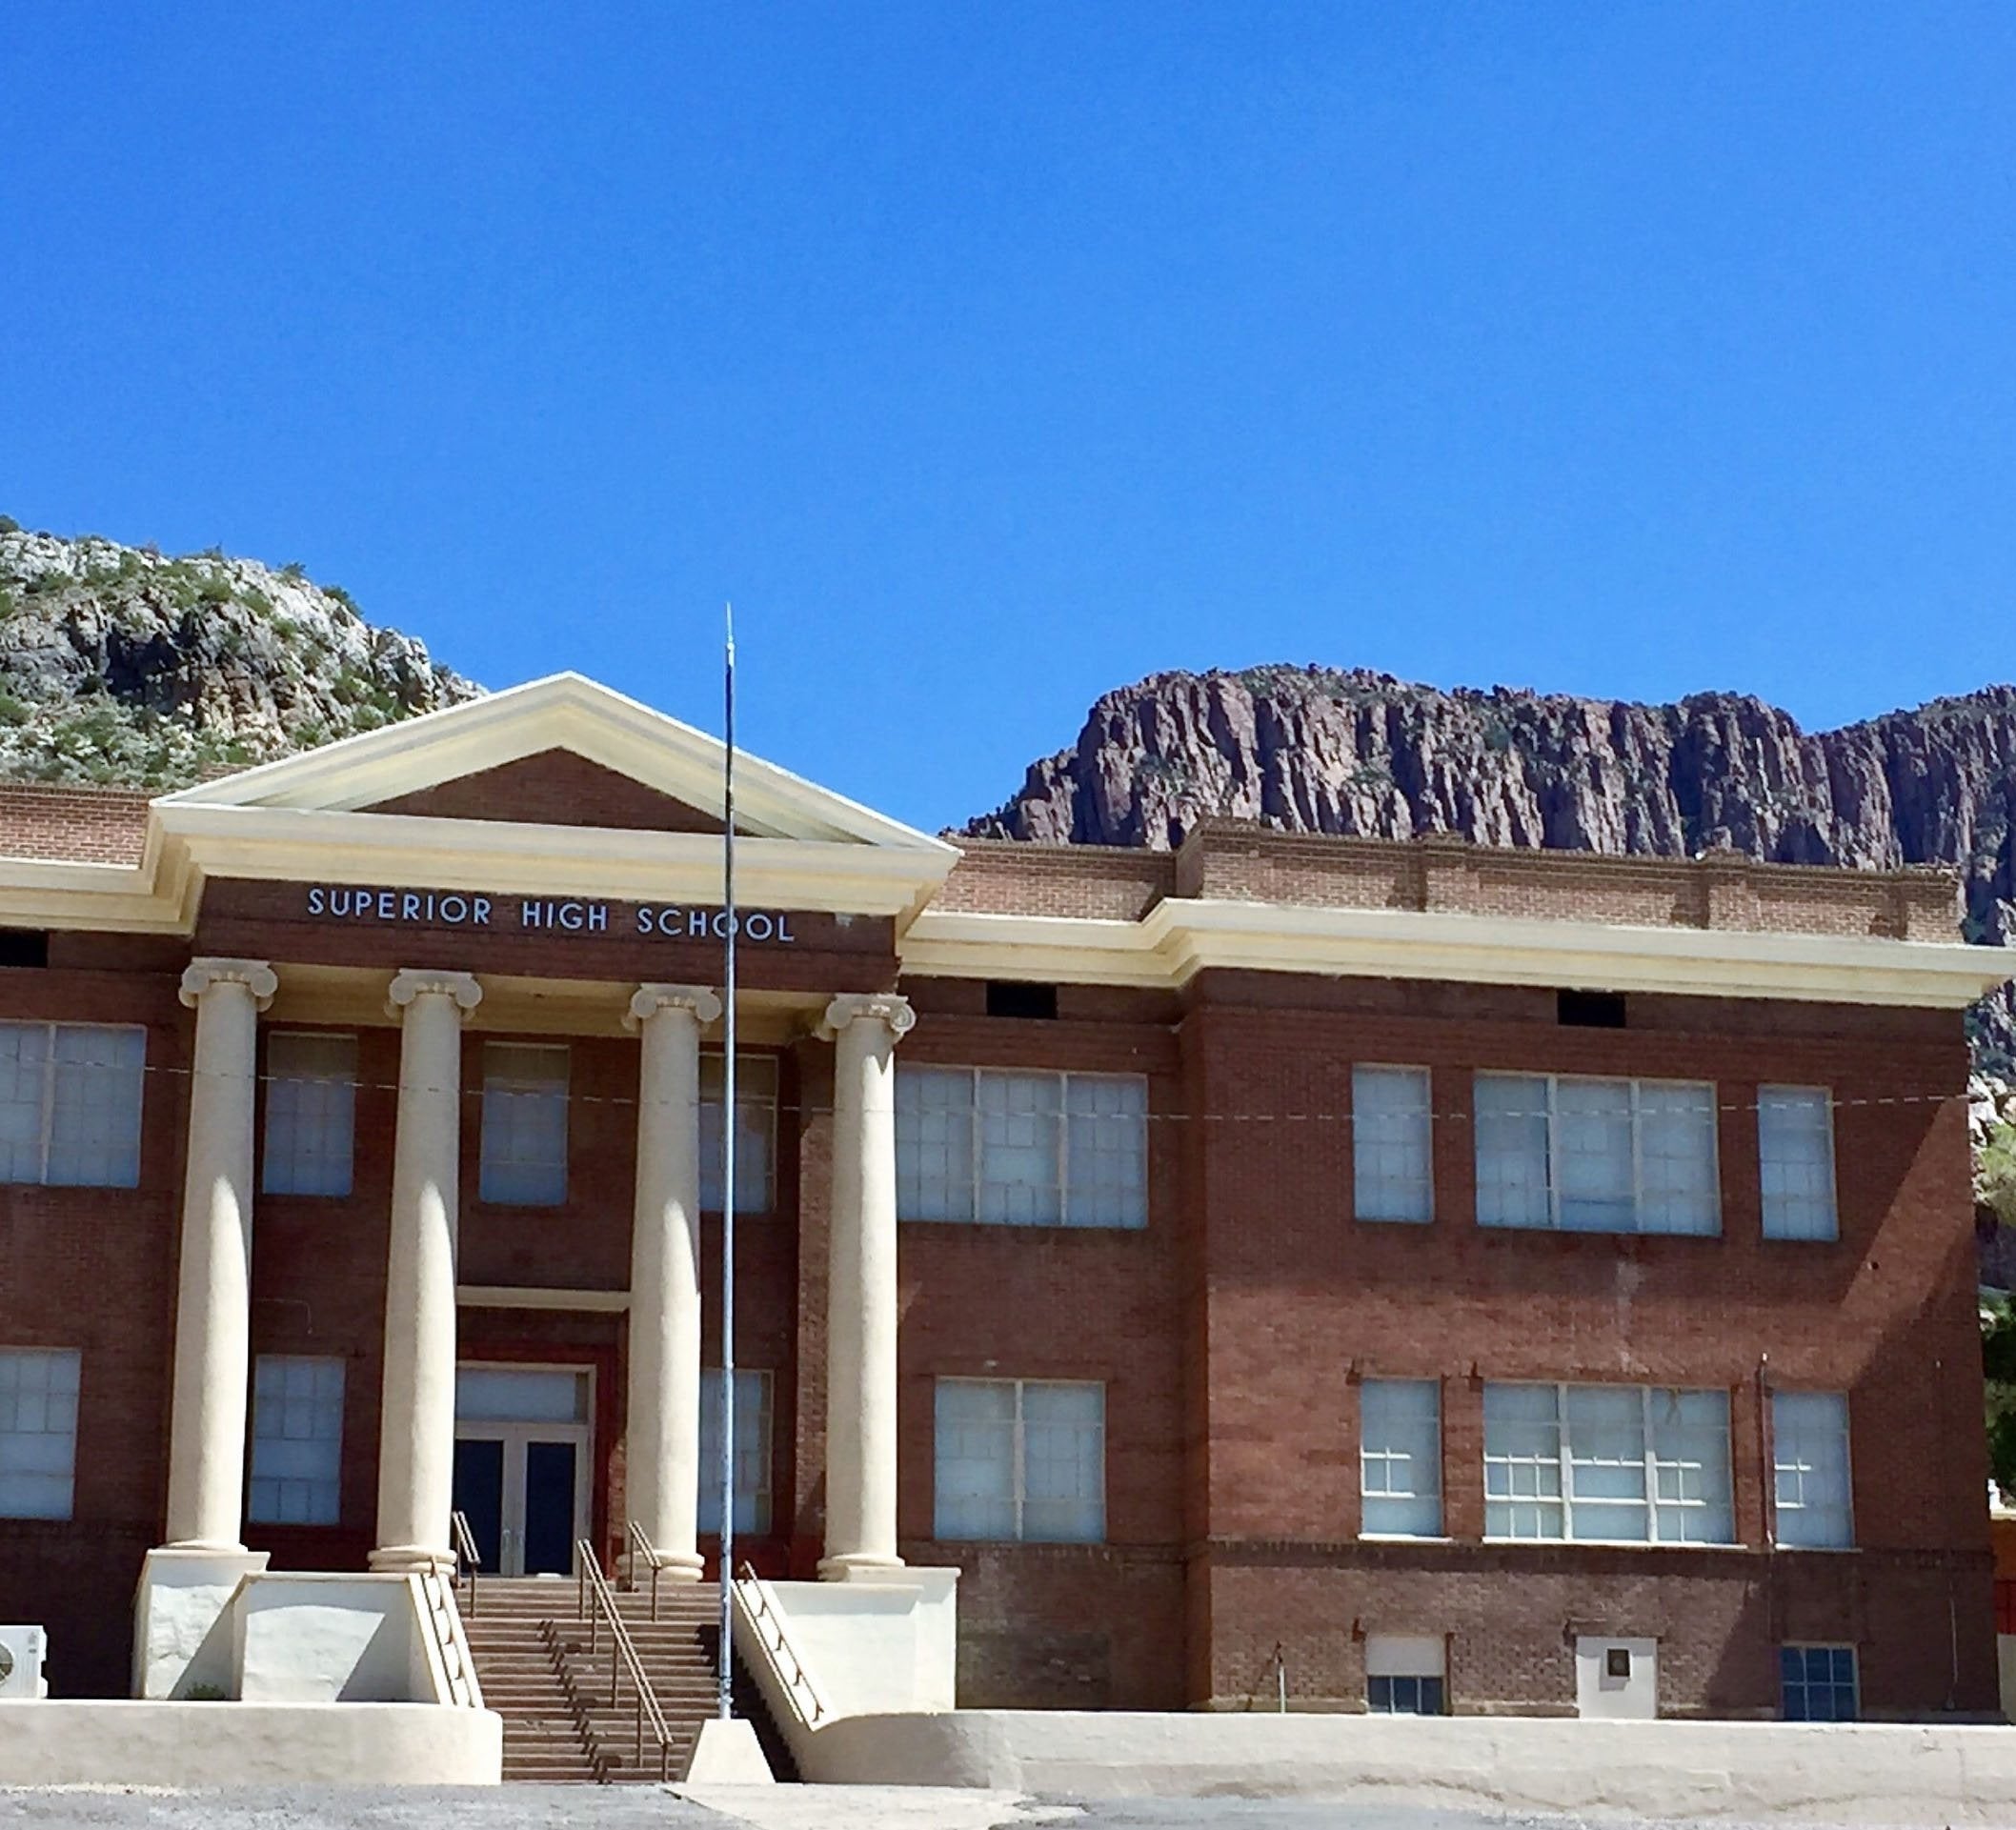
119,664
1327,751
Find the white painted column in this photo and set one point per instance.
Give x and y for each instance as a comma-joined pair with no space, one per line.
213,1377
416,1443
662,1453
861,1287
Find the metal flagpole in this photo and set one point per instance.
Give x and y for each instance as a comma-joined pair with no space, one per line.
725,1696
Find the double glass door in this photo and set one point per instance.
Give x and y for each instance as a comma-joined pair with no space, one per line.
521,1465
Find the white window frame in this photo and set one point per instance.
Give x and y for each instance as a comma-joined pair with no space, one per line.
757,1109
280,1170
757,1456
257,1511
1654,1500
1803,1097
46,1124
1384,1458
1782,1441
1423,1206
1018,1468
1635,1083
510,1086
976,1144
1407,1659
63,1394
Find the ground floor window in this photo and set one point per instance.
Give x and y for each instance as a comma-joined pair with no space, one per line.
1817,1683
752,1451
38,1431
1404,1675
298,1441
1020,1459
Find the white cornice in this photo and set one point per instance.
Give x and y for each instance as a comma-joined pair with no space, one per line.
1183,936
291,844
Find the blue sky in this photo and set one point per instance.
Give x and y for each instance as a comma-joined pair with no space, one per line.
992,356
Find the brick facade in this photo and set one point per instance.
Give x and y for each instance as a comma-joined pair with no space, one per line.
1232,1333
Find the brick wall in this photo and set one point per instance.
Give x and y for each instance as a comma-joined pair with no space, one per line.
1299,1303
95,1268
98,825
553,788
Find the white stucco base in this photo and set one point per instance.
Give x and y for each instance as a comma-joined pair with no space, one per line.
231,1744
726,1752
1859,1774
182,1639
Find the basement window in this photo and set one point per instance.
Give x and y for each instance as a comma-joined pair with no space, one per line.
1006,997
1589,1010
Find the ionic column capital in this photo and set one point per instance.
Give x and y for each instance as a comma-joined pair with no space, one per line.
648,1000
421,982
886,1007
254,975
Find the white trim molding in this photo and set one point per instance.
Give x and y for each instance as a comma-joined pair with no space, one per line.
1181,937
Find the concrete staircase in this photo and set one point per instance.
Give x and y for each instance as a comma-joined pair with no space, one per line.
531,1657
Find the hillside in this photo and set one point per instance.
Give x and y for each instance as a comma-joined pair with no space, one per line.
1327,751
120,664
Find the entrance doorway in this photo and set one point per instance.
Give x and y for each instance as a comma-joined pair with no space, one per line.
522,1442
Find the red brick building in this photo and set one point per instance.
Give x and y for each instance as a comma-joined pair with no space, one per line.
1413,1275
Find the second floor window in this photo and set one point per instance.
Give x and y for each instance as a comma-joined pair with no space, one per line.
756,1132
1392,1178
1607,1464
1795,1161
1596,1156
310,1114
524,1124
69,1103
1018,1149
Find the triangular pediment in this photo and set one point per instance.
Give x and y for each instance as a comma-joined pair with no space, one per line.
519,756
555,788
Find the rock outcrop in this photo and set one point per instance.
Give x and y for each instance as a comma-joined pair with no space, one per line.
1322,750
118,664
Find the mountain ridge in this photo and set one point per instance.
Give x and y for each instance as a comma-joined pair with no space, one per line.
121,665
1317,749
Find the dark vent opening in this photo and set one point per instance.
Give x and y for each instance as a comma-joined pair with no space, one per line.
1590,1010
24,947
1007,999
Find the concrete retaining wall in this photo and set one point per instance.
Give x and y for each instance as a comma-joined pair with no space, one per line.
1859,1774
235,1743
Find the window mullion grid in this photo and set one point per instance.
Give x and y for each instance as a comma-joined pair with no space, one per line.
1565,1456
1018,1466
1637,1162
48,1099
1553,1149
976,1141
1644,1399
1064,1148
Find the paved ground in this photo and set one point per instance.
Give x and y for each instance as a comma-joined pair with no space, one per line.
788,1807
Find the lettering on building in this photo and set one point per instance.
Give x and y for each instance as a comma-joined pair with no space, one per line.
544,915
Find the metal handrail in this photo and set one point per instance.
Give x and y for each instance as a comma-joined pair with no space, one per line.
595,1602
464,1540
778,1644
638,1544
